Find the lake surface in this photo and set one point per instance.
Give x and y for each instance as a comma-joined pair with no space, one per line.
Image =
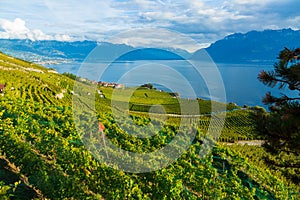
239,80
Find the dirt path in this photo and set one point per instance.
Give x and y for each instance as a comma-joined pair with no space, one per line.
246,142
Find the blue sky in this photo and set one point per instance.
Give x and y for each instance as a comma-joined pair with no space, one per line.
203,20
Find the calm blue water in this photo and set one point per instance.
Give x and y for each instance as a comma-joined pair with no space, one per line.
240,81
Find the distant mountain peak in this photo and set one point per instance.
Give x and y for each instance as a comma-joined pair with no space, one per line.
250,47
253,46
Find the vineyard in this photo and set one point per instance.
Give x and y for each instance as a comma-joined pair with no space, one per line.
43,154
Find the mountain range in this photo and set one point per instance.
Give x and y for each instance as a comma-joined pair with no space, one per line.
254,46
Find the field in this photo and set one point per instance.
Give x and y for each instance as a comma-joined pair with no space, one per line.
45,150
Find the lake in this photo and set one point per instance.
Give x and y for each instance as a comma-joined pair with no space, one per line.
240,80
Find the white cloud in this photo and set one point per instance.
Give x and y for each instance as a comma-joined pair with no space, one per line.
74,11
248,2
17,30
157,38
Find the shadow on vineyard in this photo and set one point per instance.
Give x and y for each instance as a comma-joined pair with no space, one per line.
39,138
14,184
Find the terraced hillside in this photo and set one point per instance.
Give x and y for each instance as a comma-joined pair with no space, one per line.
43,155
34,83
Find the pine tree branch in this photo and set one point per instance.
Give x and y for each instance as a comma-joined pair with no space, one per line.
270,79
292,99
269,99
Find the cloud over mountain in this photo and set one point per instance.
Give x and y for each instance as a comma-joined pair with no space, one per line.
203,20
17,29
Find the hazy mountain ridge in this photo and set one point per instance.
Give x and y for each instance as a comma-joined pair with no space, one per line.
252,47
41,51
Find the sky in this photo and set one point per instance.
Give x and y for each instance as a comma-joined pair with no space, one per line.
151,21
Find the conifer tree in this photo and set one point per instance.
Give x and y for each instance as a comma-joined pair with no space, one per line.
281,126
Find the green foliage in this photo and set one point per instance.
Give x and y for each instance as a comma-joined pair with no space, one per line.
147,85
38,135
70,75
283,165
282,128
4,189
139,102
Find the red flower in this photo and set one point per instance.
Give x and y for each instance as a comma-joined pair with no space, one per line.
101,127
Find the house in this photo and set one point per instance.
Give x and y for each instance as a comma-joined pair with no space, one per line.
119,86
2,88
111,85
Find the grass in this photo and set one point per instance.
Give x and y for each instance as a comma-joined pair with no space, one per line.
144,100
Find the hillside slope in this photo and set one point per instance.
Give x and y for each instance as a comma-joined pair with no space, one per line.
39,138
